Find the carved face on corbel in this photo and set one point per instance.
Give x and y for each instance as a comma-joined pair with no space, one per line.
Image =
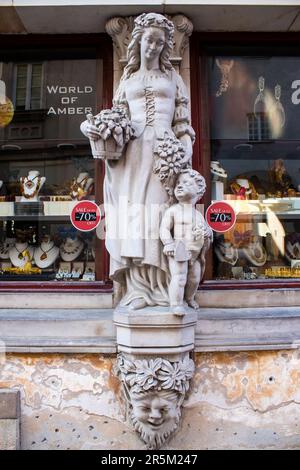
155,415
155,389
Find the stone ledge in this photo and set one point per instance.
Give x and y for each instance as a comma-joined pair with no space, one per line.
92,331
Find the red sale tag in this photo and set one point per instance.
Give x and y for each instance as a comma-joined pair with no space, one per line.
220,216
85,216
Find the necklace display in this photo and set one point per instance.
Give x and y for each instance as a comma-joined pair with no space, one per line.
5,247
255,252
31,186
81,188
227,253
46,253
20,254
70,249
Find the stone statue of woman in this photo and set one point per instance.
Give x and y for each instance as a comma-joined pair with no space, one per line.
138,186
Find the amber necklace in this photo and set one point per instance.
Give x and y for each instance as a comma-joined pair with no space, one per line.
29,184
44,255
22,253
78,187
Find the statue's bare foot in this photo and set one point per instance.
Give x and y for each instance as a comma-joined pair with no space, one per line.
178,310
136,304
192,303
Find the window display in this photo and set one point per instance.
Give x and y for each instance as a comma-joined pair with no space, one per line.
255,147
46,165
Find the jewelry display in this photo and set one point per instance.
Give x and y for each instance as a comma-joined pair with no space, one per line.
31,186
218,173
20,254
292,247
242,239
64,271
243,188
225,68
255,252
71,248
283,271
46,253
81,186
2,189
89,273
5,247
261,95
277,107
226,253
77,270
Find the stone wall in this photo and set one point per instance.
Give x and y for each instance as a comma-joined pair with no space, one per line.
243,400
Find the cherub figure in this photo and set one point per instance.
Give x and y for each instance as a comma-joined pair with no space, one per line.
186,238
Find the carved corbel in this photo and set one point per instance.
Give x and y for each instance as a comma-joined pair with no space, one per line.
182,32
154,390
120,28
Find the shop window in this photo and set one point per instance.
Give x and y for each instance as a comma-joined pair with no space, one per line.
255,150
46,166
28,90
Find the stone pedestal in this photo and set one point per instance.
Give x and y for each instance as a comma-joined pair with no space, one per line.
155,331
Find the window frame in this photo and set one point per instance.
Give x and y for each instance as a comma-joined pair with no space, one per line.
104,48
28,96
202,44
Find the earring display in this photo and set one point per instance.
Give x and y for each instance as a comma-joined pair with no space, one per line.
261,95
278,108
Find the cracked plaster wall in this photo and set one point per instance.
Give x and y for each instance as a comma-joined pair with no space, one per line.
238,400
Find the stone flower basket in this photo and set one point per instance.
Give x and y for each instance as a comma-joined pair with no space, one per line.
115,131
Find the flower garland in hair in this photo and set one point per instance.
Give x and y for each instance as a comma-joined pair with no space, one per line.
146,20
155,374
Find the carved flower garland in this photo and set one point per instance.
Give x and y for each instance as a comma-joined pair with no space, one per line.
114,123
169,153
155,374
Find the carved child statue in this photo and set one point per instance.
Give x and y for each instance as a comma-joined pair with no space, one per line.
186,238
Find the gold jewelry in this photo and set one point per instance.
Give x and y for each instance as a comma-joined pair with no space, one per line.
22,253
44,255
77,187
29,184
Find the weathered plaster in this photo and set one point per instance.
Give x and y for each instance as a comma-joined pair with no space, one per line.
238,400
